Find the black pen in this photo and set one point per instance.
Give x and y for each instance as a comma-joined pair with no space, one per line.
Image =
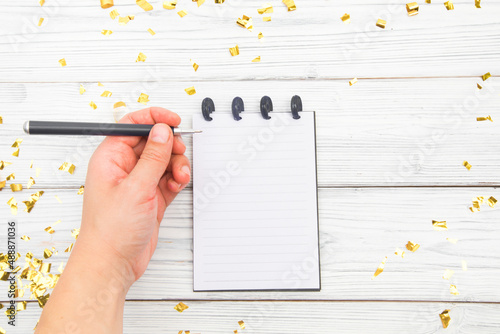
94,129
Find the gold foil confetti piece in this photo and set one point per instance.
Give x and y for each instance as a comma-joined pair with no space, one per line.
486,76
245,22
67,167
464,265
19,293
13,205
381,23
82,89
266,9
81,190
123,20
353,81
31,182
260,35
181,307
49,230
67,250
479,86
195,66
454,290
234,50
151,32
290,4
141,57
411,246
114,14
118,105
428,1
256,60
47,253
3,164
93,105
445,318
412,8
266,19
199,2
219,1
182,13
449,5
16,187
75,232
17,142
2,184
106,32
2,331
487,118
242,324
11,177
477,3
21,306
42,300
41,2
190,90
451,240
16,152
106,93
61,268
439,225
62,62
144,5
58,199
106,4
25,238
57,222
399,252
448,273
492,201
45,268
100,84
143,98
346,18
380,268
169,4
40,21
37,172
235,331
1,120
4,275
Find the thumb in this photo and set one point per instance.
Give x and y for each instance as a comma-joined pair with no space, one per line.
155,157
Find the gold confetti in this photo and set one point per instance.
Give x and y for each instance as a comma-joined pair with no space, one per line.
16,153
486,76
260,35
346,18
37,172
45,268
123,20
81,190
40,21
21,306
61,268
451,240
1,120
290,5
31,182
454,290
428,1
58,199
256,60
11,177
353,81
380,268
219,1
411,246
181,307
245,22
190,90
241,322
49,230
82,89
67,250
477,3
93,105
266,9
25,238
199,2
62,62
13,205
195,66
141,57
106,32
106,93
106,4
400,252
118,105
234,51
144,5
448,273
464,265
381,23
449,5
16,187
151,32
67,167
182,13
114,14
492,201
100,84
439,225
42,300
75,232
479,86
412,8
445,318
2,184
47,253
487,118
169,4
143,98
17,142
3,164
41,2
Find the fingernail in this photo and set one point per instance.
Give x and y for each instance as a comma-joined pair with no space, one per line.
160,133
186,170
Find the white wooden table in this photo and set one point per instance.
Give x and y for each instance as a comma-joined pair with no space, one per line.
390,149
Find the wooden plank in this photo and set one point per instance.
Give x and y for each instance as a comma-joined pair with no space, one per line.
296,317
311,42
358,228
375,133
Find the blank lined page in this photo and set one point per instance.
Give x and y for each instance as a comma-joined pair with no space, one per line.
255,203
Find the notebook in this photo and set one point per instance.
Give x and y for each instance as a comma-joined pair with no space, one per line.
255,203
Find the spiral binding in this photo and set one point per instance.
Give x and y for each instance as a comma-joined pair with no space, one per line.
238,106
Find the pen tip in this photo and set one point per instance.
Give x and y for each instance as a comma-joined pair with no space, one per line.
198,131
26,127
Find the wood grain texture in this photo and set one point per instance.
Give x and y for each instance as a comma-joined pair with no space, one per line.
297,317
358,228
